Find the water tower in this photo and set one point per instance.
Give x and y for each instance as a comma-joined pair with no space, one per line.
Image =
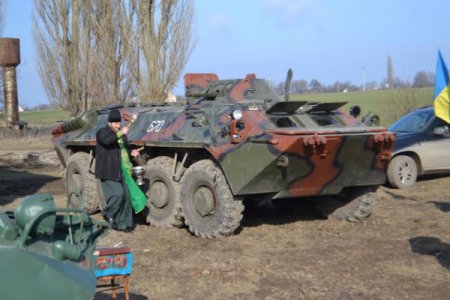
9,59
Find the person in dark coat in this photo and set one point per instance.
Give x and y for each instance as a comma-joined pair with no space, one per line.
118,211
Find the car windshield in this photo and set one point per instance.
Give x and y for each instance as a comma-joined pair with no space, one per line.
414,122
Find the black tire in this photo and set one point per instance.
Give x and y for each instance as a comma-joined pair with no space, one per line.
355,207
79,181
209,207
163,194
402,172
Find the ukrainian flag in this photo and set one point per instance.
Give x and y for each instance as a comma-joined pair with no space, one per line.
442,90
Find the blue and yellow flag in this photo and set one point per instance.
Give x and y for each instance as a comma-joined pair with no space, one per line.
442,90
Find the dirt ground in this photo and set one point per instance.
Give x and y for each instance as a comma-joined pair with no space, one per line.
401,252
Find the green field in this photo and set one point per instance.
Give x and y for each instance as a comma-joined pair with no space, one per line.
42,117
388,104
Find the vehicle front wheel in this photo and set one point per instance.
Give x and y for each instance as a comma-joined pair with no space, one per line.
163,194
81,182
209,207
402,172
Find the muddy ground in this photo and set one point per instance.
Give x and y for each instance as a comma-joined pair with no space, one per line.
401,252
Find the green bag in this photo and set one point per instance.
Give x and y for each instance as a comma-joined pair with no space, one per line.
138,198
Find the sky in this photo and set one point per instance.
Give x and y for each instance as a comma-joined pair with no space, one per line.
327,40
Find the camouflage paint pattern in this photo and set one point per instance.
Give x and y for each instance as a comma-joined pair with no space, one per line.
280,149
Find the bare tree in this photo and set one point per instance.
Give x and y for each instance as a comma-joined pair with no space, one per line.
84,48
164,36
299,86
115,51
88,50
315,85
404,99
2,24
423,79
57,27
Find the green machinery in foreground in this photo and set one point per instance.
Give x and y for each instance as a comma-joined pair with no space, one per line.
46,252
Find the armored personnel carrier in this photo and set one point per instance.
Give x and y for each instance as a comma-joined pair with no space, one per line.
234,140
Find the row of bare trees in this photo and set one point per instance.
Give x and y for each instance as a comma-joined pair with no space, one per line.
2,24
93,53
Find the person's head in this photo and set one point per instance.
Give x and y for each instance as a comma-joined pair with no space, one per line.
114,120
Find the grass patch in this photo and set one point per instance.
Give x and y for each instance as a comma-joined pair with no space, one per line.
26,142
42,117
388,104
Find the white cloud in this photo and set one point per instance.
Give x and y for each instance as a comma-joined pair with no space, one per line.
288,12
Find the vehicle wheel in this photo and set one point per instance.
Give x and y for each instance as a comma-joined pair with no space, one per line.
357,206
209,208
163,194
402,172
79,181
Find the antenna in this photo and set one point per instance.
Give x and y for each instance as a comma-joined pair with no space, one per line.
287,86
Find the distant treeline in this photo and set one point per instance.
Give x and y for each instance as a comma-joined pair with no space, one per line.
421,79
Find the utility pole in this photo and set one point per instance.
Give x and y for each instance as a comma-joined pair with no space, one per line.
363,79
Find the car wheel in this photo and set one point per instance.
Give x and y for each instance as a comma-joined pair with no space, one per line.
402,172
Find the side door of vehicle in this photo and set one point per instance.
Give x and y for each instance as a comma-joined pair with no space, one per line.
435,149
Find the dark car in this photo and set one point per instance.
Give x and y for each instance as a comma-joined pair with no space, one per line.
422,147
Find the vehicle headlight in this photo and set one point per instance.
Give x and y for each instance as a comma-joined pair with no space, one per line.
237,114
